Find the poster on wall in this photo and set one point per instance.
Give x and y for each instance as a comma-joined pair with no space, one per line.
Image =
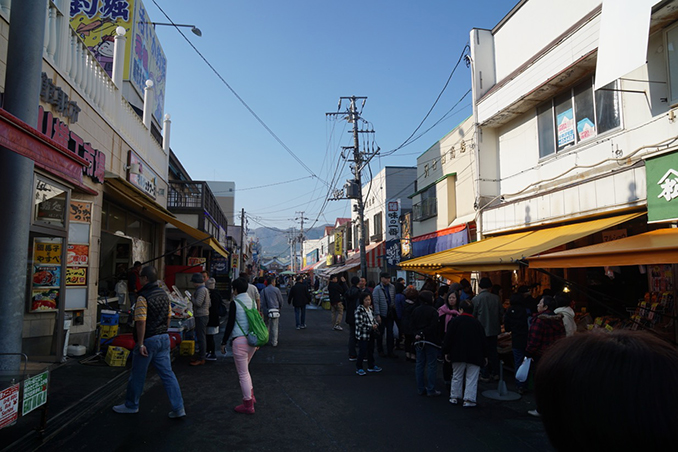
81,211
9,405
43,300
46,276
47,252
586,129
76,276
565,122
77,255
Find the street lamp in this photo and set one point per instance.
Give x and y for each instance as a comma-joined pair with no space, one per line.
196,31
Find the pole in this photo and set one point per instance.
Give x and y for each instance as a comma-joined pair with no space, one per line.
22,97
357,159
242,242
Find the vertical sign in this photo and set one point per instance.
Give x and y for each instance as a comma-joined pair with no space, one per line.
393,220
9,405
662,187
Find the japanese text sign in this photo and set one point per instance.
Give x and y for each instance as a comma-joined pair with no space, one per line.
35,392
9,405
393,219
662,187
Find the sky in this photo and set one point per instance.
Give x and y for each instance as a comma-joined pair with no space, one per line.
290,62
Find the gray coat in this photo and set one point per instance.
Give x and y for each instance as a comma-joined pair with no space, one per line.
379,300
201,302
271,298
488,310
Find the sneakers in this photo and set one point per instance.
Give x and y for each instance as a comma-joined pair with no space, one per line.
177,414
534,413
338,328
454,401
353,358
122,409
361,372
469,404
434,394
303,327
210,357
298,327
374,369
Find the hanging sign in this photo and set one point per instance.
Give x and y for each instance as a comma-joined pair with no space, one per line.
393,219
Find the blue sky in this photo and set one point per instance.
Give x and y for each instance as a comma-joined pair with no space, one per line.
290,62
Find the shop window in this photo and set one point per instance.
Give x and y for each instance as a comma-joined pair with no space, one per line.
116,219
577,115
133,226
49,208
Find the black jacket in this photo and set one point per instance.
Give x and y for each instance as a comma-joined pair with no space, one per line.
336,291
515,321
157,310
351,300
215,299
425,321
298,295
465,341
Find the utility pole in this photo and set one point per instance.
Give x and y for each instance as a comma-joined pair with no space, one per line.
242,242
354,187
301,234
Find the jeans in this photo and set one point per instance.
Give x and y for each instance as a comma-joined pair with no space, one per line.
158,348
273,331
461,372
200,335
427,362
337,313
242,354
492,367
518,356
351,341
386,325
300,315
365,348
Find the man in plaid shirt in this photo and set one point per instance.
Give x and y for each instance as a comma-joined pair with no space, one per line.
546,328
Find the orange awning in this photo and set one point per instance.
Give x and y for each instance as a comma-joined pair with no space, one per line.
654,247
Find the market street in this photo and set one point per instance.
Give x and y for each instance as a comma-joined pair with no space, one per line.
309,398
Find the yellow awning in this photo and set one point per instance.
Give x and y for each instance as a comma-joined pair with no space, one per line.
654,247
503,252
127,190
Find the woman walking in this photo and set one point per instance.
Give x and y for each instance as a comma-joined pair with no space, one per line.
366,328
237,328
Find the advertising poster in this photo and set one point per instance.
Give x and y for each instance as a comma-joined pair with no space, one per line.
46,253
81,211
9,405
77,255
76,276
586,129
35,392
46,276
565,122
44,299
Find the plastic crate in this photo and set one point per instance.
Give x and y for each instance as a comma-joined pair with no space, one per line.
116,356
109,318
108,331
187,348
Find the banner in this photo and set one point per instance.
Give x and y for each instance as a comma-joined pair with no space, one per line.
393,220
662,187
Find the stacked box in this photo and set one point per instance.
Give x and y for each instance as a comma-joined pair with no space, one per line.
187,348
116,356
108,331
109,317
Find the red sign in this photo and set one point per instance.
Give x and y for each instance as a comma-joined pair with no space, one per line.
77,255
9,405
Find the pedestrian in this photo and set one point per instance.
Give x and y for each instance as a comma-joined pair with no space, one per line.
236,331
351,297
442,296
564,310
252,290
366,329
427,343
213,322
411,302
299,297
545,330
488,310
152,315
383,298
370,286
201,313
466,290
336,290
609,391
260,284
515,322
271,305
447,312
133,283
465,347
399,304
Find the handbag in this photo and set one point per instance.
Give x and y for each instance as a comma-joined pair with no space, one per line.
273,313
524,370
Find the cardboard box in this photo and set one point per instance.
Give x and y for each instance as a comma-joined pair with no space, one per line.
109,331
187,348
116,356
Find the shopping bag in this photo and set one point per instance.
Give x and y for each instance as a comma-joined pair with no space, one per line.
524,370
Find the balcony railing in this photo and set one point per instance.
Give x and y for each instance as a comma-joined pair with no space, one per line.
195,197
427,208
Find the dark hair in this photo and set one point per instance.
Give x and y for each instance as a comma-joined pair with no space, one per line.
485,283
240,285
363,296
371,284
385,275
150,273
136,264
399,287
563,299
609,391
411,293
464,283
426,297
547,293
355,280
549,302
299,278
333,277
466,306
442,290
517,299
496,288
270,279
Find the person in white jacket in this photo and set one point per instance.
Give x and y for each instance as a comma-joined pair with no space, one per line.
564,310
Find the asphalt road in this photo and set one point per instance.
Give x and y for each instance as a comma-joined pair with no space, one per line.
309,398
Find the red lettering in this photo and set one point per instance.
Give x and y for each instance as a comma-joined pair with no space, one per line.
100,167
88,154
61,133
77,143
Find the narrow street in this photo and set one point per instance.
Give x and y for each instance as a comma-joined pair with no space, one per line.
309,398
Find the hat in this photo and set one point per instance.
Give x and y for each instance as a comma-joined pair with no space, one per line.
197,278
211,283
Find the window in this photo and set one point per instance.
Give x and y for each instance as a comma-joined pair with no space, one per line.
428,206
576,115
377,219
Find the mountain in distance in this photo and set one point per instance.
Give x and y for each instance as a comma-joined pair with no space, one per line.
273,241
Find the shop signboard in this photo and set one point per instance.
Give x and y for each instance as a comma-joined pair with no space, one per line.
35,392
9,405
76,276
197,262
47,253
393,219
141,175
338,243
405,242
81,211
662,188
393,253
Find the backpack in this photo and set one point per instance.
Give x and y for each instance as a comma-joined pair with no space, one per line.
258,332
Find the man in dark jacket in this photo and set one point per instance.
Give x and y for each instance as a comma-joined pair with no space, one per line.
152,315
351,297
515,322
336,291
298,297
425,328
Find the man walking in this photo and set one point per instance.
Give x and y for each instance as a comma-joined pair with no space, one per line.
271,304
201,312
152,317
298,297
336,291
488,310
384,309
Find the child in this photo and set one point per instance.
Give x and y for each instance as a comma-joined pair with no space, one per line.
366,328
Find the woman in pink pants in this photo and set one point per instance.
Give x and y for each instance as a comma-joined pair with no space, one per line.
236,330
